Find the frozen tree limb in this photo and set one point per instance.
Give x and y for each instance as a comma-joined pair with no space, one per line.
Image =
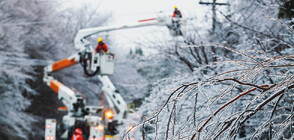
222,107
242,83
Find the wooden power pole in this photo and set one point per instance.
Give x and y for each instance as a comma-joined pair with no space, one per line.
214,4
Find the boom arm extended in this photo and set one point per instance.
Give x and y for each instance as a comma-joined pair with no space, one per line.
73,101
114,99
80,41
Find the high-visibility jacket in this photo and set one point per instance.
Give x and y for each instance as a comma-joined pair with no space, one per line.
177,13
101,47
78,135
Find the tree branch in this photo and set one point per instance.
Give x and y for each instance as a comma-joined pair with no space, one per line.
222,107
242,83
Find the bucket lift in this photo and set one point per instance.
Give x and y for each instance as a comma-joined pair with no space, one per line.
90,119
96,121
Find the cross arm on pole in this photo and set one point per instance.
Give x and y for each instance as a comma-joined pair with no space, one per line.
210,3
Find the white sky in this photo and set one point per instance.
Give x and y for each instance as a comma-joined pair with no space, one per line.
125,11
130,11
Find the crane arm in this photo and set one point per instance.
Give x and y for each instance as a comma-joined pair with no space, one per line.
70,98
59,65
80,41
65,94
114,99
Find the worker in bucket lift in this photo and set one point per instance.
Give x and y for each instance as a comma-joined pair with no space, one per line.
101,47
176,21
177,13
78,135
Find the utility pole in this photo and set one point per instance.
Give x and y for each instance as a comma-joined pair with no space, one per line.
214,4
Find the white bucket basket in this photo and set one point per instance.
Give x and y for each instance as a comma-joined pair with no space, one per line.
106,64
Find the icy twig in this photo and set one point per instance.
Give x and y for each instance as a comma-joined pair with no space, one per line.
226,47
282,23
242,83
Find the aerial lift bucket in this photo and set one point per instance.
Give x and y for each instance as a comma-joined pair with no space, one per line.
106,64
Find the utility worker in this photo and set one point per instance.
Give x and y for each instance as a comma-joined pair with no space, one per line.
101,47
176,21
177,13
78,135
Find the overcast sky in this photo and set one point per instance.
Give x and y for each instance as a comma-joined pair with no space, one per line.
132,10
129,11
125,11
